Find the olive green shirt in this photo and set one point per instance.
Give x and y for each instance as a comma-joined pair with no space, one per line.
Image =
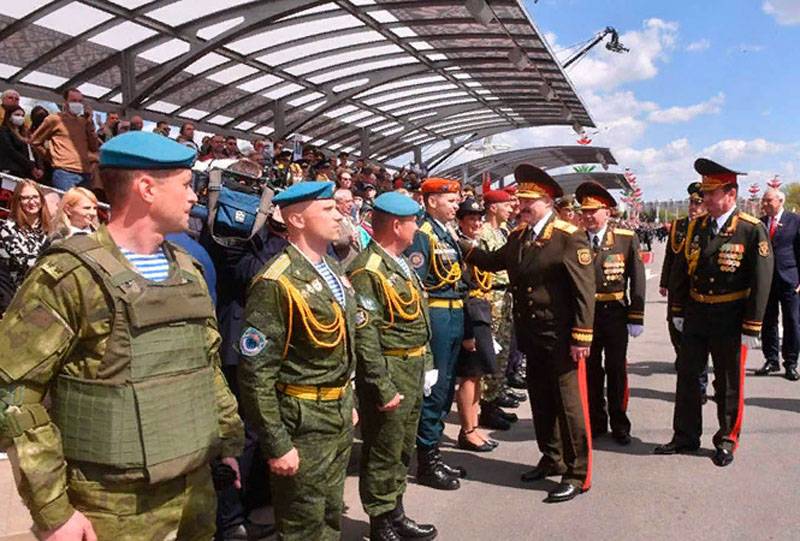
277,348
59,323
379,328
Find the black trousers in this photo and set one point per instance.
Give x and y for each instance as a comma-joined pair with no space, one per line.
675,337
559,402
608,361
783,296
234,506
729,368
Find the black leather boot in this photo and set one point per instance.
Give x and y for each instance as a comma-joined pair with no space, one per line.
381,529
431,473
407,528
453,471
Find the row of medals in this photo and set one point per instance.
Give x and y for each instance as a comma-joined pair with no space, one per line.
730,257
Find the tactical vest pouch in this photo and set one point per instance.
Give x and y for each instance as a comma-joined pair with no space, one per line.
148,309
166,426
167,349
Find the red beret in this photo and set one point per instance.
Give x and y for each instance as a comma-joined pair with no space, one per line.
496,196
440,185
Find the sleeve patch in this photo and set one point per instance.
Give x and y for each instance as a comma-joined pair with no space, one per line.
252,342
361,318
584,256
763,248
416,259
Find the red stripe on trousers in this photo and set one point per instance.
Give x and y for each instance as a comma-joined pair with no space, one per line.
737,426
583,390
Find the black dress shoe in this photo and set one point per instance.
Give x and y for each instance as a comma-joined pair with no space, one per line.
517,382
465,444
768,368
382,529
507,415
539,472
791,374
621,437
257,532
564,492
505,401
674,448
722,457
234,533
490,418
516,395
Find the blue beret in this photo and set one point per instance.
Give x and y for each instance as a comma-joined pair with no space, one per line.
145,150
397,204
304,191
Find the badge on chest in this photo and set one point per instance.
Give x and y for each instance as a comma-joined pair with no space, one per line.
730,257
613,267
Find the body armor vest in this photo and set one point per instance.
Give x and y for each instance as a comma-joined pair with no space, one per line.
152,405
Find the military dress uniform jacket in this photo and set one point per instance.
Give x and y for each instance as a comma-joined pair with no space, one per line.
725,277
435,256
552,279
671,266
295,333
618,265
59,325
392,321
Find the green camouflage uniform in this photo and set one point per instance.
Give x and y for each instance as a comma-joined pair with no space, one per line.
281,346
491,239
392,356
60,328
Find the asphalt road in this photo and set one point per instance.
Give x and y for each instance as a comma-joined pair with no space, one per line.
635,495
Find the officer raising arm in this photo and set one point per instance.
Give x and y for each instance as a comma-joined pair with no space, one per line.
119,328
552,280
297,356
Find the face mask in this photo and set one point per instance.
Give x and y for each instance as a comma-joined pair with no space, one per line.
18,120
76,108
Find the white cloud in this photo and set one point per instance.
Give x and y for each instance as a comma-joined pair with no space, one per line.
732,150
601,69
673,115
786,12
699,45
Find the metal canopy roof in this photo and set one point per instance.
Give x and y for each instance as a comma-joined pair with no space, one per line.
610,181
503,164
383,77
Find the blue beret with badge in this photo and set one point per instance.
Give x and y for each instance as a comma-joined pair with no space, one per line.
145,150
397,204
304,191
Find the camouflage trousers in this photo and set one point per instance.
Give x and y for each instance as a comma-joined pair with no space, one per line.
389,438
502,328
183,508
309,504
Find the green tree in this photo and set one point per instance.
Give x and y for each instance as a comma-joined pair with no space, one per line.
792,196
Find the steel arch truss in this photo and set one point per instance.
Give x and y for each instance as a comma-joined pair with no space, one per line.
383,78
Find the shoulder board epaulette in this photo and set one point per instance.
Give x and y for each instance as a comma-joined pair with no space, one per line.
426,228
277,268
623,232
58,266
749,218
567,227
373,262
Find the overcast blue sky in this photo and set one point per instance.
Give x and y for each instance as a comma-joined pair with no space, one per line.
716,78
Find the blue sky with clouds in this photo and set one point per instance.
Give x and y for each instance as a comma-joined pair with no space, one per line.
717,78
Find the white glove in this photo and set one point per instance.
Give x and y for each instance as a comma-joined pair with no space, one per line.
750,341
635,330
678,322
431,377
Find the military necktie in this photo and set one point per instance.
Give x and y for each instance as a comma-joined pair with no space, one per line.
595,242
714,228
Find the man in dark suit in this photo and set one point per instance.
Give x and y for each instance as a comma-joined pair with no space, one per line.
784,233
